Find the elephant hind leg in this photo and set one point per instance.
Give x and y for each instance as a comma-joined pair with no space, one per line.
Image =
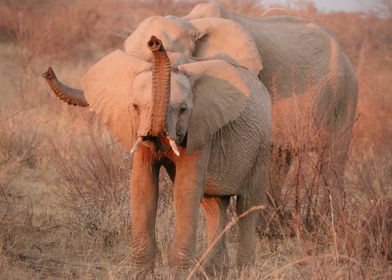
215,208
247,234
252,196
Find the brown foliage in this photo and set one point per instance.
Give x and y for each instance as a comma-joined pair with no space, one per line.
64,180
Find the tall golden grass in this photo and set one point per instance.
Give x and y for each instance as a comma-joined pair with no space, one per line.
64,209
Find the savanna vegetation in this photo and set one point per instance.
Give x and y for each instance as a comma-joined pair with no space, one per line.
64,207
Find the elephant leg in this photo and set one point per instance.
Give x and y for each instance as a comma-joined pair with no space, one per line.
334,174
144,198
341,136
215,208
188,191
323,167
251,196
271,220
247,235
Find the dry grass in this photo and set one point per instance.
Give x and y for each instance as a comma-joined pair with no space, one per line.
64,209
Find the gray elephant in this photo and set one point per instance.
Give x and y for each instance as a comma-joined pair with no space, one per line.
312,84
314,93
217,116
207,122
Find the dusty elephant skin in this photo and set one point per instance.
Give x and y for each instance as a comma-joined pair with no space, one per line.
314,93
218,114
186,96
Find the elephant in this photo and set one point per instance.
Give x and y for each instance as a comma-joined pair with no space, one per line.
207,121
314,92
236,67
312,84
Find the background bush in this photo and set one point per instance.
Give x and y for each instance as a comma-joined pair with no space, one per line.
64,207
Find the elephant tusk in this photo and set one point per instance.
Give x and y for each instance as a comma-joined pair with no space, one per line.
136,145
174,146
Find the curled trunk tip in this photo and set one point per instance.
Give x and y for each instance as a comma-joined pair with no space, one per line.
154,44
67,94
49,74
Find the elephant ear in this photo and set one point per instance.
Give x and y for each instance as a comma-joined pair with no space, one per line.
224,38
220,95
108,88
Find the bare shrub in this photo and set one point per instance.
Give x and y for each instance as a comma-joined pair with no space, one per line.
95,186
15,214
85,232
19,142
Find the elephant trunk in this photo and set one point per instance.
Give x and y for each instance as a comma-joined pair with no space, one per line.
160,87
70,95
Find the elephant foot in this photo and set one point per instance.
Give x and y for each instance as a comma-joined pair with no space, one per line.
217,265
188,272
183,274
245,272
143,272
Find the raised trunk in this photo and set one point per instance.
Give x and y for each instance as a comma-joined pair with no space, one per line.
160,87
70,95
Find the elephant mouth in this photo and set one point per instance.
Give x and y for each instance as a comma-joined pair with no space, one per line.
182,139
163,144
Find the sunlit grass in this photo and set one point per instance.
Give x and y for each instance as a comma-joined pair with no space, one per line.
64,208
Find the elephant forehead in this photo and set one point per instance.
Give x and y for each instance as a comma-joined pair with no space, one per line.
180,87
176,35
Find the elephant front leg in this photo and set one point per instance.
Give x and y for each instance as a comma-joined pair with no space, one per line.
144,198
188,190
215,208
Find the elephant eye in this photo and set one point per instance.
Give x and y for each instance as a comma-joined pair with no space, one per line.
135,106
182,108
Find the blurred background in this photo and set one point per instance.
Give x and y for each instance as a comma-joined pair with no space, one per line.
64,208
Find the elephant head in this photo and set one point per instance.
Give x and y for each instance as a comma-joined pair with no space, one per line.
204,38
156,103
